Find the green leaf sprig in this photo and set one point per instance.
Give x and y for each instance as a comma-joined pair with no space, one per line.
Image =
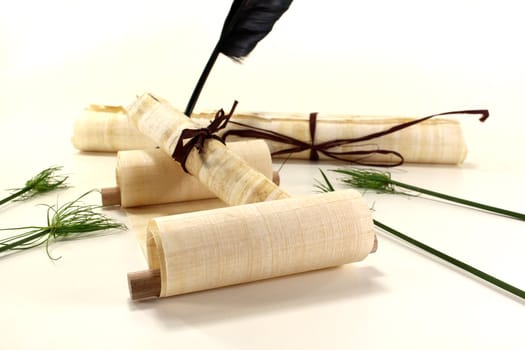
45,181
325,186
381,181
458,263
72,220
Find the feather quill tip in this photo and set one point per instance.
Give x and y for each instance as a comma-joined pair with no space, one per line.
247,23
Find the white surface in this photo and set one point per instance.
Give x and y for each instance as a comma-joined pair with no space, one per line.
380,57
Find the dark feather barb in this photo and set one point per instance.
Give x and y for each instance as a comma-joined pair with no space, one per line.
247,23
251,22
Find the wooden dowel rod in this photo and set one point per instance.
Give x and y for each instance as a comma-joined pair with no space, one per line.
110,196
276,178
146,284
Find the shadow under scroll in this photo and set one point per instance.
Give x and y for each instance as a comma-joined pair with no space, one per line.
267,296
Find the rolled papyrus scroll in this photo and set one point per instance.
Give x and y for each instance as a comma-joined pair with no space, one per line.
214,248
147,177
107,129
437,140
139,217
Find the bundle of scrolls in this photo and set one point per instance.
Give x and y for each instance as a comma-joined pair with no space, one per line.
361,139
263,234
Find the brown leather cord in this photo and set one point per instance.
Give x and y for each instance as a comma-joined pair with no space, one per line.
325,147
198,136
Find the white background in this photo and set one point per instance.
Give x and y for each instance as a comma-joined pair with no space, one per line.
375,57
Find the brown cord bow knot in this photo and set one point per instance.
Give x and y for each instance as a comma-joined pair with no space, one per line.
198,136
325,147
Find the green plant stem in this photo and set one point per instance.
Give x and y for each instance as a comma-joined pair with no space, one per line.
45,181
324,187
466,202
485,276
15,195
382,182
23,241
376,181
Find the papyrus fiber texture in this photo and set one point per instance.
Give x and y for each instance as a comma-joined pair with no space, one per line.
214,248
225,174
148,177
437,140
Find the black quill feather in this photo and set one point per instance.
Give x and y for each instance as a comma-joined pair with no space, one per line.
247,23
